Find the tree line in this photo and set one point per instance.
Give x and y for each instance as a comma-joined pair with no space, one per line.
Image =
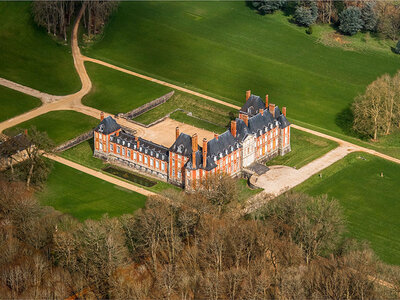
382,17
377,111
56,16
188,246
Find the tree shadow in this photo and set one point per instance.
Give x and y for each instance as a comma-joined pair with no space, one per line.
344,120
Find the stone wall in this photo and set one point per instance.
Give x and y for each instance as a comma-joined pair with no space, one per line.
75,141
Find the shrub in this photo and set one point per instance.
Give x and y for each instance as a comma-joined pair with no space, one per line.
309,30
350,20
267,7
397,48
305,16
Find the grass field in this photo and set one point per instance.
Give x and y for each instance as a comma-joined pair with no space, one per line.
371,202
305,148
61,126
65,192
83,154
116,92
13,103
29,56
203,111
224,48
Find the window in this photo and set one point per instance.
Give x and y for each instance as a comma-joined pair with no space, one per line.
179,164
286,139
260,151
140,157
129,153
179,174
173,162
157,164
100,135
163,166
123,151
151,162
188,173
111,147
146,160
118,149
173,173
101,146
134,155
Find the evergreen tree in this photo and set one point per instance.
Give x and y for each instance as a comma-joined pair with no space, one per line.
397,49
350,20
267,7
369,16
306,15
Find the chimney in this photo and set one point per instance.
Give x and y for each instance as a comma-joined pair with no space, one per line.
266,101
26,132
176,133
194,149
216,136
117,133
233,128
246,119
261,111
248,94
137,142
284,110
102,116
204,152
272,109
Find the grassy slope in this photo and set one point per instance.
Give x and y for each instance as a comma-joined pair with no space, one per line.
83,154
65,192
29,56
225,48
116,92
370,202
60,125
13,103
305,148
199,123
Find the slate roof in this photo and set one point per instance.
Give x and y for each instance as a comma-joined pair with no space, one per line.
146,147
107,126
183,145
252,105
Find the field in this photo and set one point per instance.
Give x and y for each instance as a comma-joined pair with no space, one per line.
29,56
370,201
305,148
61,126
65,192
224,48
13,103
205,114
116,92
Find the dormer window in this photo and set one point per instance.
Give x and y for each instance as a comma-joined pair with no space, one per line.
129,144
231,148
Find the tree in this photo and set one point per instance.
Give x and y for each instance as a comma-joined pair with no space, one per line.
267,7
306,15
350,20
369,16
397,48
388,19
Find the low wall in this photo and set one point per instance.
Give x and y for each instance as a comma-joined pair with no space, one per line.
75,141
146,107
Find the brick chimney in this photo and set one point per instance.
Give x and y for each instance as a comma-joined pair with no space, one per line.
272,109
216,136
102,116
266,100
233,128
261,111
248,94
204,152
26,132
284,110
194,148
176,133
137,142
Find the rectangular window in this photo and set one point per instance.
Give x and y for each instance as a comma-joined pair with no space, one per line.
140,157
111,147
173,173
146,160
118,149
173,162
151,162
123,151
179,174
179,164
134,155
100,135
163,166
129,153
101,146
157,164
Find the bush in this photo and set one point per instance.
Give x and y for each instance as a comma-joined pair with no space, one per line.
351,21
267,7
309,30
397,48
305,16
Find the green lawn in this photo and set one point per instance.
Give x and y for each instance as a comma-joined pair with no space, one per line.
116,92
61,126
83,154
13,103
224,48
204,111
245,191
29,56
371,202
305,148
66,192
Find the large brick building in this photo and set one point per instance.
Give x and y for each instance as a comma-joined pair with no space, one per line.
260,133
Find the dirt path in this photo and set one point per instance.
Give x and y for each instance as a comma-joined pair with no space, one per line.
101,176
